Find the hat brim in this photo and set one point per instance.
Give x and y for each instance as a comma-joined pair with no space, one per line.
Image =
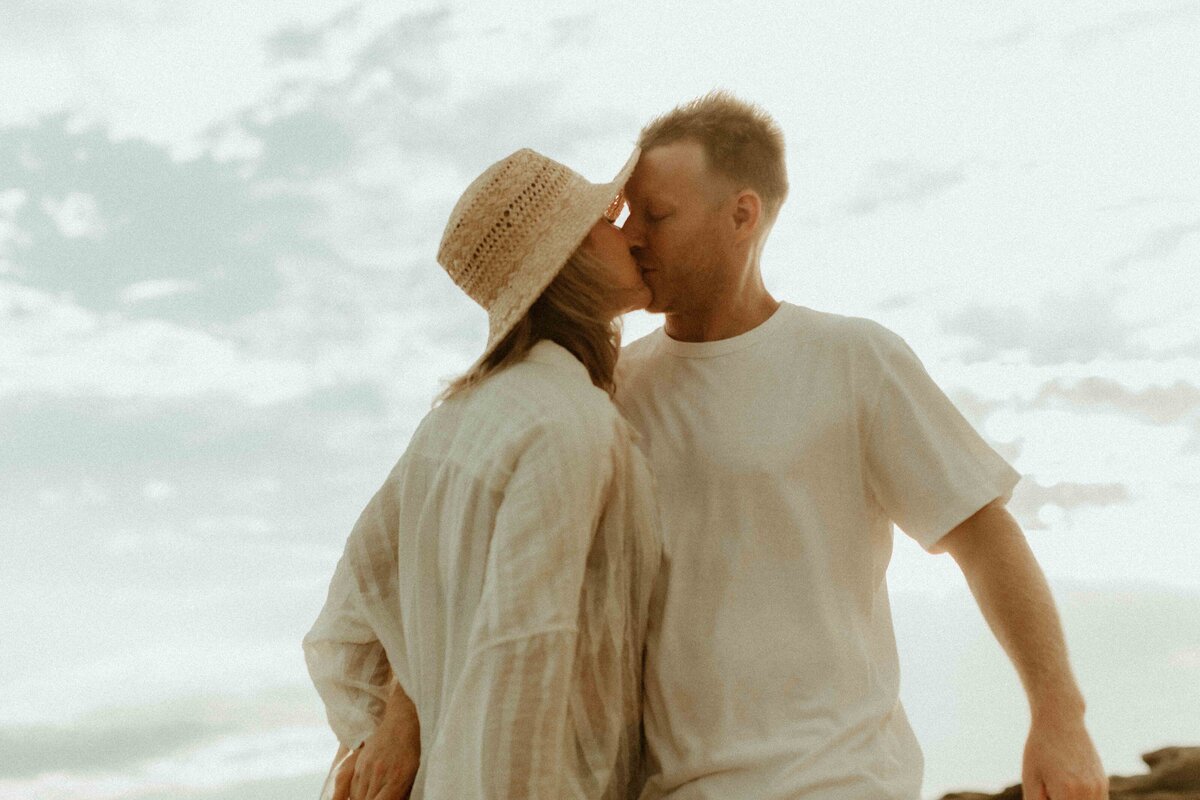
560,234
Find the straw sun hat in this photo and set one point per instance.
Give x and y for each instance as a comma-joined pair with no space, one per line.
514,228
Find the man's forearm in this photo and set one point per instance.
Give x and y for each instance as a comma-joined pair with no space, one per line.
1060,759
1015,599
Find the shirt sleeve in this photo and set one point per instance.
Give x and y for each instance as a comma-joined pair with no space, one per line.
345,659
925,465
505,730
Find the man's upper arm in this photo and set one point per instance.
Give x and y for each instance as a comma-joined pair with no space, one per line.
926,466
963,541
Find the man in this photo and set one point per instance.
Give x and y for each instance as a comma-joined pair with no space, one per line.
785,442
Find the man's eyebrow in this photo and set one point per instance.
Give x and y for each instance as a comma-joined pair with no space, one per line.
652,197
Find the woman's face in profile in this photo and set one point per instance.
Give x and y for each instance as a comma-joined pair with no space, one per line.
607,243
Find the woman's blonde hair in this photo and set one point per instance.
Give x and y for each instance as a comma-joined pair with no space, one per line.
572,312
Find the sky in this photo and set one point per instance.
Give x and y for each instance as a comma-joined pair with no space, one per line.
221,319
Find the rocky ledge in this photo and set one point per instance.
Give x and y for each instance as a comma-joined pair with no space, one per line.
1174,775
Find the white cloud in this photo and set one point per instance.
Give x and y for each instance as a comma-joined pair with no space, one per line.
890,183
51,497
167,671
76,215
125,36
86,492
153,289
1188,658
1158,245
1030,499
1066,446
300,42
54,345
30,22
284,752
11,201
235,526
184,746
1012,37
1058,329
160,491
1161,405
1177,16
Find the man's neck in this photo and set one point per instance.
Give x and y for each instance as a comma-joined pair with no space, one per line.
731,316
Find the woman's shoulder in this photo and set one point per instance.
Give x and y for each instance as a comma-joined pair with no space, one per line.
552,385
533,399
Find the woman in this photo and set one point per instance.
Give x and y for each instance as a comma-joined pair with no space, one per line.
501,575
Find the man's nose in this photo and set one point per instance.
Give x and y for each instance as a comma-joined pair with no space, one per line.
634,234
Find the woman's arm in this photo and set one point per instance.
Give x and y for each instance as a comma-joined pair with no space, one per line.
346,661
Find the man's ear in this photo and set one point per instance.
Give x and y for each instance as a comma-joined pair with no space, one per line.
747,214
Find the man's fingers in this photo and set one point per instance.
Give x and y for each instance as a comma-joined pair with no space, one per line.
367,782
341,784
1086,789
391,791
367,785
1075,789
362,785
1032,789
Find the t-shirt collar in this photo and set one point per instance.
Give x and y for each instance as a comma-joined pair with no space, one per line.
764,330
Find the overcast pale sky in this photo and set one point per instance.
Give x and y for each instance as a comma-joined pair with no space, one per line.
220,320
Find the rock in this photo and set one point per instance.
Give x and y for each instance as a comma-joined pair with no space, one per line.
1174,775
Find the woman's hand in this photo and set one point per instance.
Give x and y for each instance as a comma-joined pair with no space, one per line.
385,767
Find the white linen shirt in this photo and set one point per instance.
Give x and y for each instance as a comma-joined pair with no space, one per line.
502,574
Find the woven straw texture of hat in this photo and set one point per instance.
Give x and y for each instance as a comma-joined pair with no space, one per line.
514,228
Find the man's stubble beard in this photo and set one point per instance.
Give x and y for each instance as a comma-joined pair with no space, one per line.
703,285
692,286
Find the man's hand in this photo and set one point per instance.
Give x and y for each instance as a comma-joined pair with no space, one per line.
385,767
379,770
345,773
1061,763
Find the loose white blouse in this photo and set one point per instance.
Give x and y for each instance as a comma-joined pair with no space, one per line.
502,574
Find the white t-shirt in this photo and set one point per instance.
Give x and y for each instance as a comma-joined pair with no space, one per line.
782,457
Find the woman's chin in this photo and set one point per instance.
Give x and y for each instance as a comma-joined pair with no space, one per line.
643,302
635,300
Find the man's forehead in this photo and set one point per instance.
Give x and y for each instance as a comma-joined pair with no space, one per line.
667,168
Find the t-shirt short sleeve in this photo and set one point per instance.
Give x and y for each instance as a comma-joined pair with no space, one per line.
926,466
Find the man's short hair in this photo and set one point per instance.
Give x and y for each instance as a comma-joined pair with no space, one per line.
740,140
